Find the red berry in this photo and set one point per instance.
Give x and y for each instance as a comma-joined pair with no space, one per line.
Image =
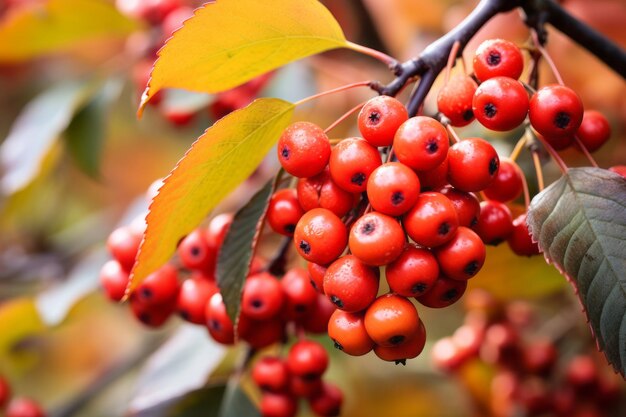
432,221
446,291
582,373
421,143
193,296
278,405
619,169
152,315
262,297
376,239
498,57
500,103
446,355
347,330
321,191
317,275
472,164
284,211
305,387
24,407
466,205
114,280
351,162
159,287
317,321
195,253
320,236
413,273
559,143
393,188
507,185
520,240
217,321
594,130
307,359
409,349
455,100
556,110
271,374
327,403
391,320
303,149
216,232
380,118
463,256
174,20
123,244
260,334
435,178
300,295
495,223
350,284
5,392
501,346
540,357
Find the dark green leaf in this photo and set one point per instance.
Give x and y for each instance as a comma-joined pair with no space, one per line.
233,262
580,223
236,403
203,402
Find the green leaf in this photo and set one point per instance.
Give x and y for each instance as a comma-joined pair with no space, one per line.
236,403
580,224
203,402
229,42
225,155
57,25
233,263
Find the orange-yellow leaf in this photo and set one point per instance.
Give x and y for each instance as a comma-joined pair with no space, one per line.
229,42
225,155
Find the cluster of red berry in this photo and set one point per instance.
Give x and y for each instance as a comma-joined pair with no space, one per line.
530,377
17,407
282,381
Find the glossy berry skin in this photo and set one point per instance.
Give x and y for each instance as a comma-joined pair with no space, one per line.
300,296
376,239
466,205
317,321
421,143
435,178
556,110
123,244
260,334
159,287
351,162
284,211
5,392
409,349
594,130
455,100
321,191
327,403
507,185
270,373
320,236
393,188
217,321
262,297
193,296
217,229
195,253
559,143
445,292
498,57
24,407
519,240
347,330
500,104
463,256
114,280
391,320
278,405
379,119
152,315
472,164
350,284
495,223
316,272
432,221
307,359
413,273
303,149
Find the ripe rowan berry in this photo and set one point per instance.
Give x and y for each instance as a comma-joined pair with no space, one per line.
321,191
432,221
193,296
376,239
413,273
218,227
159,287
195,253
462,256
501,346
409,349
446,355
304,387
270,373
507,185
327,403
539,357
351,162
347,330
278,405
307,359
303,149
472,164
24,407
260,334
520,241
114,280
495,223
317,321
421,143
582,373
393,188
379,119
435,178
320,236
350,284
317,272
466,205
594,130
284,211
123,244
152,315
444,292
391,320
217,321
555,110
469,339
300,296
498,57
262,296
5,392
500,103
455,100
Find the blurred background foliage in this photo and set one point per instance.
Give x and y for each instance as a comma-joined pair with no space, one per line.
75,162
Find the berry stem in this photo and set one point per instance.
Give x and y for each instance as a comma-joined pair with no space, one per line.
524,182
538,169
344,117
391,62
451,59
584,149
518,148
546,56
332,91
553,154
455,137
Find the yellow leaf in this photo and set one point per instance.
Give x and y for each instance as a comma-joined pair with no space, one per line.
229,42
57,25
225,155
19,319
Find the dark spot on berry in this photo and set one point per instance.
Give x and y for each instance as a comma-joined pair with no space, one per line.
471,268
257,303
493,58
496,241
337,345
374,117
336,301
146,293
490,110
215,325
468,115
144,318
419,288
313,284
305,247
368,228
195,251
311,376
397,198
494,164
285,152
400,362
444,229
265,387
562,120
290,228
358,178
184,314
474,221
396,340
300,308
450,295
431,146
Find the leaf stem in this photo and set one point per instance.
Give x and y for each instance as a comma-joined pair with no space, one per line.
332,91
344,117
546,56
538,169
390,61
